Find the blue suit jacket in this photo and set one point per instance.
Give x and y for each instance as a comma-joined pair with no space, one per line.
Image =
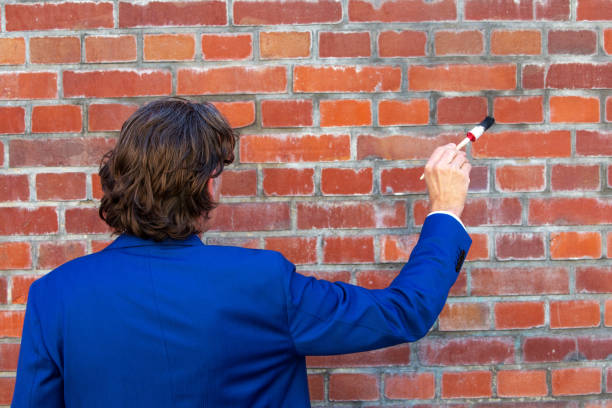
183,324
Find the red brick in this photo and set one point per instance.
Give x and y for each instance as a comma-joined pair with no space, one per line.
53,254
468,384
575,245
232,80
608,317
593,143
462,109
270,12
462,77
466,351
609,108
60,186
396,355
15,255
593,10
402,44
573,178
459,43
50,16
56,119
533,76
595,348
609,233
97,246
594,279
293,44
116,83
3,297
286,113
514,144
110,49
345,112
59,152
12,119
238,183
169,47
498,10
570,211
1,153
388,11
516,246
332,276
518,110
410,386
288,182
55,50
479,249
7,385
553,10
573,109
11,323
238,114
337,250
251,217
574,313
9,353
346,181
519,315
402,181
227,47
85,221
346,79
14,187
397,248
109,116
299,250
520,178
523,42
548,349
12,51
377,279
464,316
344,45
346,214
21,287
519,281
396,112
576,381
401,147
244,242
28,85
480,211
353,387
316,387
172,13
572,42
608,40
522,383
281,148
577,75
26,221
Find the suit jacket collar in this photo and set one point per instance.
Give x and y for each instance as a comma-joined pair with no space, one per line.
126,240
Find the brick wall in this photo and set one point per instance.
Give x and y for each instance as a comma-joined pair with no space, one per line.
340,103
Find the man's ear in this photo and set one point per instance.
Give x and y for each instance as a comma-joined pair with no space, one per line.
214,187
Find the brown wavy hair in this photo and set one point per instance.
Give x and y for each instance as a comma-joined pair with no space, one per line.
155,179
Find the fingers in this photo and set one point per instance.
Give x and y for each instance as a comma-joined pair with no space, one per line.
435,156
458,160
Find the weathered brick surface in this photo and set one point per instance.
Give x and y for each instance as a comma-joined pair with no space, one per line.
339,105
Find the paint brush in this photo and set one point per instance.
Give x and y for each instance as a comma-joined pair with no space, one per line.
473,134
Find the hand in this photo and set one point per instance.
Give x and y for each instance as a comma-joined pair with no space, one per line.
447,174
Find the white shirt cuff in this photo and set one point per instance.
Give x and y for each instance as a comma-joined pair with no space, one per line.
448,213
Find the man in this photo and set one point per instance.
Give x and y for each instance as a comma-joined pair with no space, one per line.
158,319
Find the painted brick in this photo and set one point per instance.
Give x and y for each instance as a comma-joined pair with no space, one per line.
269,12
522,383
227,47
519,315
235,183
548,349
593,10
498,10
120,48
353,387
20,288
388,11
14,187
468,384
344,45
231,80
575,245
7,385
401,147
346,79
348,250
52,16
574,313
59,152
172,13
458,43
396,248
574,178
479,249
346,181
9,353
461,109
55,50
573,109
250,217
297,249
593,279
519,281
290,182
523,42
26,221
345,112
402,181
60,186
518,110
464,316
108,116
581,42
402,44
12,51
533,76
466,351
570,211
578,75
576,381
238,114
593,143
11,323
395,355
410,386
293,44
479,211
553,10
116,83
556,143
462,78
12,120
15,255
28,85
85,221
53,254
608,40
286,113
316,387
517,246
520,178
56,119
293,148
349,214
378,279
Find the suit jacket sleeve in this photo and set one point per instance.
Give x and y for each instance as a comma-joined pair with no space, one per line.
39,381
335,318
